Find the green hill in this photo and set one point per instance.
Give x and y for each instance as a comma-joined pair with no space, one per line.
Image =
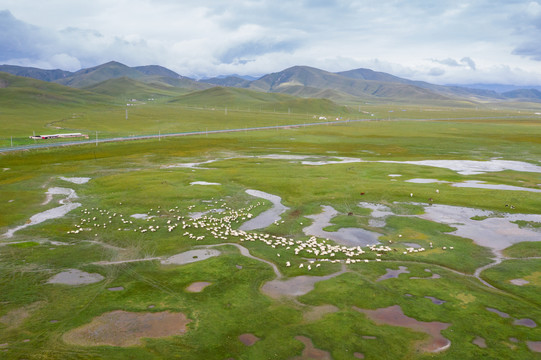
231,98
17,91
126,88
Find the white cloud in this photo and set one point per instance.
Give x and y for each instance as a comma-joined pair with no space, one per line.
443,41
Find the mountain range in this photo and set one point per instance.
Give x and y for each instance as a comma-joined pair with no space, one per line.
118,80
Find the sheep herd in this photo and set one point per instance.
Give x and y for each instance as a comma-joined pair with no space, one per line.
223,227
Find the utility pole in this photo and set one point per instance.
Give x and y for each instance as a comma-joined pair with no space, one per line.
96,138
126,113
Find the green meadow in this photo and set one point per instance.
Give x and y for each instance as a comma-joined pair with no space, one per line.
148,177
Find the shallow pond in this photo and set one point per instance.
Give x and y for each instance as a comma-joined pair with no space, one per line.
344,236
496,233
53,213
393,274
204,183
267,217
191,256
75,277
473,167
296,286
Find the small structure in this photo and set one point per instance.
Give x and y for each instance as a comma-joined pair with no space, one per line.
58,136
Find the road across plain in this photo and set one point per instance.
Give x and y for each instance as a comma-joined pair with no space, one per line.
206,132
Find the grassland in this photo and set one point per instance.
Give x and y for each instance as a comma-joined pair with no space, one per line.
137,177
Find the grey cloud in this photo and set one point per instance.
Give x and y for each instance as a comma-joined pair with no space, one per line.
468,61
255,48
529,49
464,62
436,72
448,62
18,39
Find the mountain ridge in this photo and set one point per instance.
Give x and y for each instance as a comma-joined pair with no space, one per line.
304,81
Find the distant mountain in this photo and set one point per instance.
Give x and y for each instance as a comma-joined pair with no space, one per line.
157,70
499,88
301,81
524,95
229,81
446,91
367,74
308,81
35,73
97,74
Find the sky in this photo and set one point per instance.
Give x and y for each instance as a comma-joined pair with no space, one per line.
442,42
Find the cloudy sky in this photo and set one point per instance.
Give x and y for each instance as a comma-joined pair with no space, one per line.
443,41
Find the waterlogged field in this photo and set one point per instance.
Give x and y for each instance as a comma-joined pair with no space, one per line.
136,249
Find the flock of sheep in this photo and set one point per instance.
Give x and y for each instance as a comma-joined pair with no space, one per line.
223,228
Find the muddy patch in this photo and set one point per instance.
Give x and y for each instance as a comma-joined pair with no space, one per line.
393,274
296,286
190,257
75,277
311,352
248,339
344,236
122,328
519,282
317,312
479,341
197,286
16,317
394,316
268,217
534,346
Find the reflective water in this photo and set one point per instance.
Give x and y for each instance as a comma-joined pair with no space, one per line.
296,286
55,213
268,217
496,233
190,256
344,236
393,274
473,167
